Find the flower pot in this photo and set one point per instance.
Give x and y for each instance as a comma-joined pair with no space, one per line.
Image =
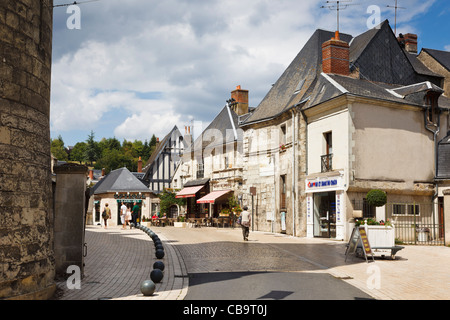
179,224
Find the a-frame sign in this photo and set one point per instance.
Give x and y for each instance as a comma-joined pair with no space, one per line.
359,235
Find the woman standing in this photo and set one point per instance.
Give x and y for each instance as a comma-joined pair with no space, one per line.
128,216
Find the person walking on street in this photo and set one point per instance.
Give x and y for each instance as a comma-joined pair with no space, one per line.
135,214
123,213
245,223
106,215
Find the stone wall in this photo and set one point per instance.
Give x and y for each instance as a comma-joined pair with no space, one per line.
26,219
267,157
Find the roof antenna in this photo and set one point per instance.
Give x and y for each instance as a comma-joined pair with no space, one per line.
74,3
395,7
338,6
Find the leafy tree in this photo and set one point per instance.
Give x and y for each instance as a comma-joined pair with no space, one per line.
78,152
58,150
167,199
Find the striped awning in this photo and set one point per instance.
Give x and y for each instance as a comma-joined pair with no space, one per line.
188,192
213,196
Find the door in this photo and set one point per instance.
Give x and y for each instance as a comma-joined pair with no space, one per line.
325,215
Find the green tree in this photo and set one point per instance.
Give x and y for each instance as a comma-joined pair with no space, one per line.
92,150
58,150
78,152
168,199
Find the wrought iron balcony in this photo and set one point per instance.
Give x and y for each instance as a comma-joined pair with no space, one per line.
327,162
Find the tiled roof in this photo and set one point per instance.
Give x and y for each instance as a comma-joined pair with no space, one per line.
377,62
120,180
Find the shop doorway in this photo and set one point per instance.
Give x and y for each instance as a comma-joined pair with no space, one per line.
325,215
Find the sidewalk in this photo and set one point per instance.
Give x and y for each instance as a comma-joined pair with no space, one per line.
118,261
418,272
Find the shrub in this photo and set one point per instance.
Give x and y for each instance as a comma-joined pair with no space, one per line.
376,198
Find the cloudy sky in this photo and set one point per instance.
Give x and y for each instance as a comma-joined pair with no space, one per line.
139,67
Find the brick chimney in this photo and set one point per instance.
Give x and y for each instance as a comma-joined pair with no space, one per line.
91,174
410,42
139,165
336,56
241,97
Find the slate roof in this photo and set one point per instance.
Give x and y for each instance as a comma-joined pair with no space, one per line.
162,144
443,57
220,131
377,63
304,70
120,180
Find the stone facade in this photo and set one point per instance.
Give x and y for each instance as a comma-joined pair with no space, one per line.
274,164
26,220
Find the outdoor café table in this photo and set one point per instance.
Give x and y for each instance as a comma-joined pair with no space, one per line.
162,222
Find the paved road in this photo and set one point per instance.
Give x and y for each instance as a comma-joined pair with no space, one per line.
269,266
223,267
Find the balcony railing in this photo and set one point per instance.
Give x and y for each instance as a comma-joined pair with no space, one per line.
327,162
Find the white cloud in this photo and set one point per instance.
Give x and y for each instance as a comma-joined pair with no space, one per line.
447,48
191,55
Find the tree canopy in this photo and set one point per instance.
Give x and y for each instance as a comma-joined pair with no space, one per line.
108,153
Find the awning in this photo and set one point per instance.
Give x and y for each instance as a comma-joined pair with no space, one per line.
188,192
213,196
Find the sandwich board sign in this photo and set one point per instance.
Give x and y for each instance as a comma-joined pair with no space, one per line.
359,236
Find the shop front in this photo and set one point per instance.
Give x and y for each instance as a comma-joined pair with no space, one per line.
193,191
325,207
217,202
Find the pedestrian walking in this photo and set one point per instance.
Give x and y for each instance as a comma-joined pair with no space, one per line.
128,216
106,215
123,213
245,222
135,214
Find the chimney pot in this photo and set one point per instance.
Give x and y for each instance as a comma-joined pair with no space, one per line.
241,98
140,165
336,56
410,42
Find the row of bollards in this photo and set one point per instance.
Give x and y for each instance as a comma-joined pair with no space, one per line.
148,287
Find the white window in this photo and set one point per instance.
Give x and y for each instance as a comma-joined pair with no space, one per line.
401,209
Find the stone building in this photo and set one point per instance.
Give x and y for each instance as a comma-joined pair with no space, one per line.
120,186
26,222
348,115
214,161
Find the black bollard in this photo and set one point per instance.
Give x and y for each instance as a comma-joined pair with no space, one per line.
156,275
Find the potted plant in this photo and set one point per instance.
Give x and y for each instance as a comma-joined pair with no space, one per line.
376,198
180,223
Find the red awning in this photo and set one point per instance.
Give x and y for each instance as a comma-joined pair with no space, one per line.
213,196
188,192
